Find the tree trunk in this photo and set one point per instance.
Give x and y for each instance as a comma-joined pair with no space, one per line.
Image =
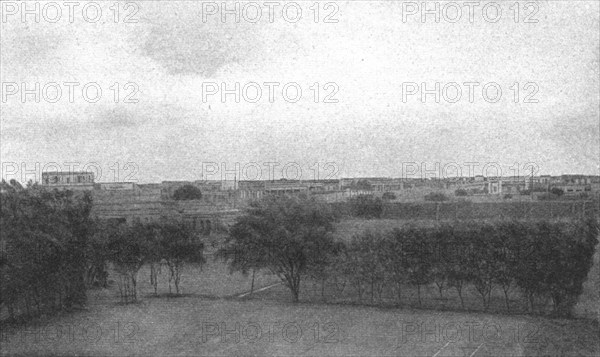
506,298
440,287
459,290
399,292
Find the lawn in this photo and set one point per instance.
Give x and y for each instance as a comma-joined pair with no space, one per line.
197,326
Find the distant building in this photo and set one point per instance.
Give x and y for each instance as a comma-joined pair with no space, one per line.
494,187
116,186
71,180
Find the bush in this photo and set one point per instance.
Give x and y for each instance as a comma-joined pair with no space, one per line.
388,196
557,191
508,196
547,196
436,196
187,192
461,192
366,206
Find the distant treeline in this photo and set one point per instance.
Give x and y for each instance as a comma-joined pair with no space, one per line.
465,210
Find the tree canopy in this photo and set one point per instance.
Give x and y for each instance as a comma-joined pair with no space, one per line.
287,235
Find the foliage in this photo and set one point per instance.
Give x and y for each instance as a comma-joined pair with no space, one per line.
363,185
43,240
170,243
388,196
289,236
547,196
366,206
436,197
546,261
557,191
187,192
461,192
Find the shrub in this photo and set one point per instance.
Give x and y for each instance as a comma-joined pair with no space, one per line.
461,192
547,196
436,196
187,192
366,206
388,196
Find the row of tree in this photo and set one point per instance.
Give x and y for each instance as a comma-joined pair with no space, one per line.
292,237
52,251
541,260
169,244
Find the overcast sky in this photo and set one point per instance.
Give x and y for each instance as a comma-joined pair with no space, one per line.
373,51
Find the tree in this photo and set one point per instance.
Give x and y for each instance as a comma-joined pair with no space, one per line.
187,192
178,246
286,235
368,256
128,250
417,259
364,185
481,261
43,239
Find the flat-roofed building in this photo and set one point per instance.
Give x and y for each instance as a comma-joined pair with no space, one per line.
68,180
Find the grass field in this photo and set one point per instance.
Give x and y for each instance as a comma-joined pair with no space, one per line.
196,326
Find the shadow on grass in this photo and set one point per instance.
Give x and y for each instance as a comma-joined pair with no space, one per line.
176,296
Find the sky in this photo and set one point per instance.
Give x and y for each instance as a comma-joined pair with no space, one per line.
163,67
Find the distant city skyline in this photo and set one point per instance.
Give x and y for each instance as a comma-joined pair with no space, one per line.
131,173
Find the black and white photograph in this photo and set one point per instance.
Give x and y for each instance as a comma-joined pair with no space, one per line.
300,178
